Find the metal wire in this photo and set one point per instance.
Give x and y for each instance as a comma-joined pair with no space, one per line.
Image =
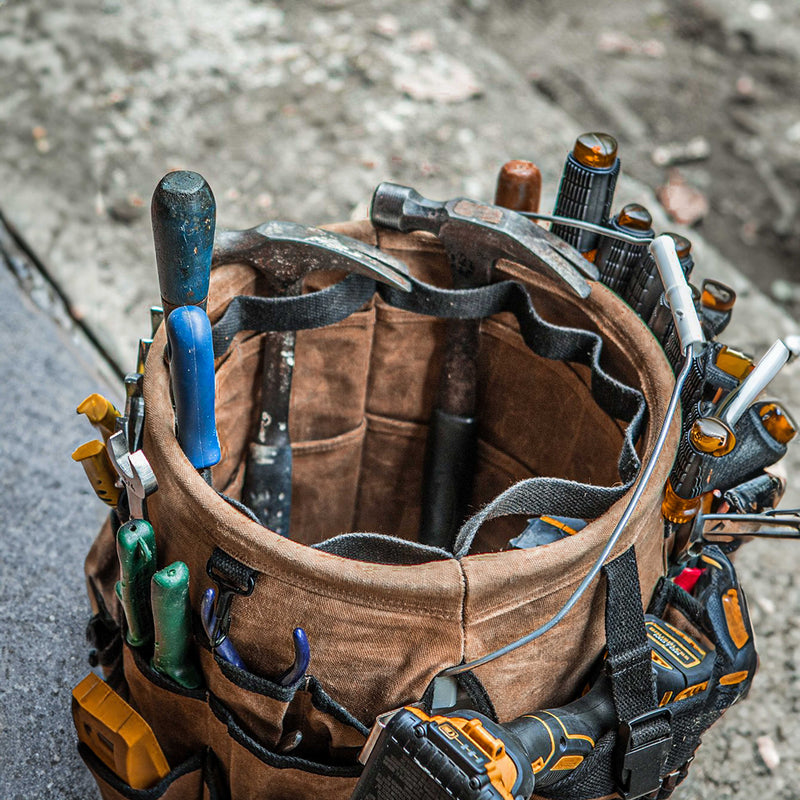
772,517
766,534
586,226
647,473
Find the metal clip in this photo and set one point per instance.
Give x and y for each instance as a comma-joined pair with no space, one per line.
227,588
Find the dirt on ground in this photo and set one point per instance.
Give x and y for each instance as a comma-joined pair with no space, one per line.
297,110
708,89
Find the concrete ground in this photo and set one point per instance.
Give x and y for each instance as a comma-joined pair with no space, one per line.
296,111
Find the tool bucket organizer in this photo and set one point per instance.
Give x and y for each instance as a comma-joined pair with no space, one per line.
565,416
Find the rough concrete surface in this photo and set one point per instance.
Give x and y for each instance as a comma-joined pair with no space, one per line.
296,111
49,517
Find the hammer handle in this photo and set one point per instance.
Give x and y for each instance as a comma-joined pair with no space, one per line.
267,486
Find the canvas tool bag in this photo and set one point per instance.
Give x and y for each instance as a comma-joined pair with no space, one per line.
572,394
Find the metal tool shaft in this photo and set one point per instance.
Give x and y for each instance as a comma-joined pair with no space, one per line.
285,253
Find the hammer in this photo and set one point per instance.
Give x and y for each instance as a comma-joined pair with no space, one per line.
474,236
285,253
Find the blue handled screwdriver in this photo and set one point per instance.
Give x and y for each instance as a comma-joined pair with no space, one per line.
184,219
192,380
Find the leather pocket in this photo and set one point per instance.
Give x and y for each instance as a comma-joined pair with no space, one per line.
258,703
177,716
318,757
325,485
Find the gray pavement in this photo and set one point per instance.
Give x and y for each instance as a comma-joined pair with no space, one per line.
292,111
49,516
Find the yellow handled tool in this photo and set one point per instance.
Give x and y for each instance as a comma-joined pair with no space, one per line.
99,470
101,413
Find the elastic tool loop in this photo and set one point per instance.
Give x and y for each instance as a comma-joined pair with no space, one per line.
647,473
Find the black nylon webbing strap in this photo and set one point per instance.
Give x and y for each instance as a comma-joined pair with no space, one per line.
313,310
645,735
534,496
629,654
537,496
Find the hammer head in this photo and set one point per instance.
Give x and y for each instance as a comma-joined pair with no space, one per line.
476,234
402,208
285,252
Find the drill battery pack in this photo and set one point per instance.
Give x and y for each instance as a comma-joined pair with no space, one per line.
439,758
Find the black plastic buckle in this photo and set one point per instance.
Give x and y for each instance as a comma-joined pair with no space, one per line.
640,767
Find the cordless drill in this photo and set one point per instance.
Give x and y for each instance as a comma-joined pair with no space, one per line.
411,755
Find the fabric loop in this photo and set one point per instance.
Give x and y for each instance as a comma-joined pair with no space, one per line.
537,496
313,310
629,654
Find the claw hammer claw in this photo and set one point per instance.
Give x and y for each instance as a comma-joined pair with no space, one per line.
285,252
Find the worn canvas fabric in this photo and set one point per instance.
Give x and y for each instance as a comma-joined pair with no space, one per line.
362,394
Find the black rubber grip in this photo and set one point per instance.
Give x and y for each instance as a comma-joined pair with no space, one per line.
449,468
585,193
616,259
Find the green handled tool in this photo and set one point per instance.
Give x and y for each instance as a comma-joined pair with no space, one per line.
172,654
136,551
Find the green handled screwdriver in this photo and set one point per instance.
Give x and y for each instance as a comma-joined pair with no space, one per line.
172,654
136,551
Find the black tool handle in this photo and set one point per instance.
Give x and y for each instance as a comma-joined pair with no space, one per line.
585,193
616,259
557,740
449,468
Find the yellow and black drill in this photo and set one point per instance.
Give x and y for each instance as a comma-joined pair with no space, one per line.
411,755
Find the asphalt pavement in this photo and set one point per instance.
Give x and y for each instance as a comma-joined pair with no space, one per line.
48,518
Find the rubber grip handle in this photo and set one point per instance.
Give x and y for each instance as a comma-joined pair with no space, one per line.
192,379
94,459
575,728
449,469
184,214
169,595
136,552
677,291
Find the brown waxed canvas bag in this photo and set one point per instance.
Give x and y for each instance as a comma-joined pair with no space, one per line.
361,399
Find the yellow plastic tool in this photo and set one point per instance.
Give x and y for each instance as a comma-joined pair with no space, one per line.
101,413
99,470
117,734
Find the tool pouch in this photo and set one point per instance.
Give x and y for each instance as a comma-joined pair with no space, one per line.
571,395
